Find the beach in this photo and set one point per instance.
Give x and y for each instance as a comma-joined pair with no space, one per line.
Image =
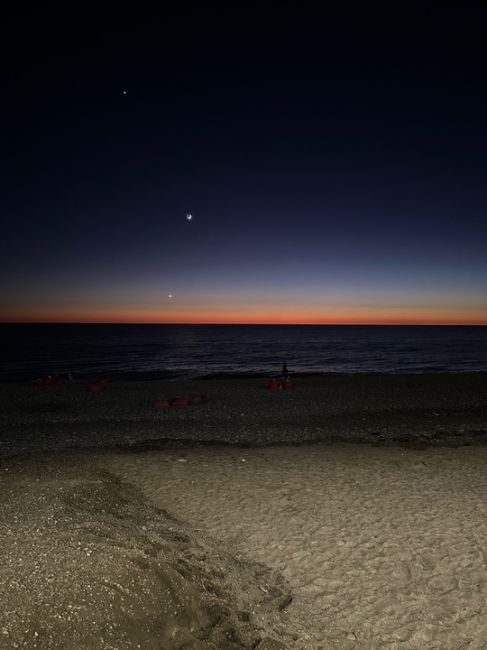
384,409
86,562
382,547
349,512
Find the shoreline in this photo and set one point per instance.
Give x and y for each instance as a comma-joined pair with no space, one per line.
150,377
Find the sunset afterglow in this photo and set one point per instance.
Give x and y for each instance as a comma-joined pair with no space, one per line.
327,185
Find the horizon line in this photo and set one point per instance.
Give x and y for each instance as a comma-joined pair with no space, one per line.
237,324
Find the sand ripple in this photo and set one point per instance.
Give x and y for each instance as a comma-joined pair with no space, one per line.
383,547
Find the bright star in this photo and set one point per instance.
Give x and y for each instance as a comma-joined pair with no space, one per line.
189,216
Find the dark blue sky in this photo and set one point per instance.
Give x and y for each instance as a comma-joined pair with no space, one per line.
335,165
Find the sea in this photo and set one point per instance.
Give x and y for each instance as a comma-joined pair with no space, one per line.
146,352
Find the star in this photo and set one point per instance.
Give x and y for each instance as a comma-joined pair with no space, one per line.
170,295
124,92
189,216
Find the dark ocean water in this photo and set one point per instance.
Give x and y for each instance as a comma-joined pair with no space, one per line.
166,351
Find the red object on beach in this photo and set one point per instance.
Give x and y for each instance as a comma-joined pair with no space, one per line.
180,401
287,384
163,403
273,384
199,398
96,389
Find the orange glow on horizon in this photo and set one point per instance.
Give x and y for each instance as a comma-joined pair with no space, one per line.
254,317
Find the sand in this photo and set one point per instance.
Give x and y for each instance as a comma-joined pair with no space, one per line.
308,547
144,530
381,547
85,562
382,409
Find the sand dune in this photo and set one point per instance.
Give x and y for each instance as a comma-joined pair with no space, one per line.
382,547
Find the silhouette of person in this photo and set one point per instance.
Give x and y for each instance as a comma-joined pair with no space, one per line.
284,370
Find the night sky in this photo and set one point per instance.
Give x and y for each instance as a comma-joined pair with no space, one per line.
335,165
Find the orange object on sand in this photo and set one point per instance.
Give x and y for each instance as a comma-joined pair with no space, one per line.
199,398
96,389
180,401
273,384
163,403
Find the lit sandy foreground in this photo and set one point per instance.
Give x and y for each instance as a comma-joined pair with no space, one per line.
379,547
382,547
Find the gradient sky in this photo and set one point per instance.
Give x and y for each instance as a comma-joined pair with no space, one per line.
335,166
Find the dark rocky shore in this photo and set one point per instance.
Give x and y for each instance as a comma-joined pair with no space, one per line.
406,409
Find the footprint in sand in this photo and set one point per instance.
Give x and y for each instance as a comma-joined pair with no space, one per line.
441,584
